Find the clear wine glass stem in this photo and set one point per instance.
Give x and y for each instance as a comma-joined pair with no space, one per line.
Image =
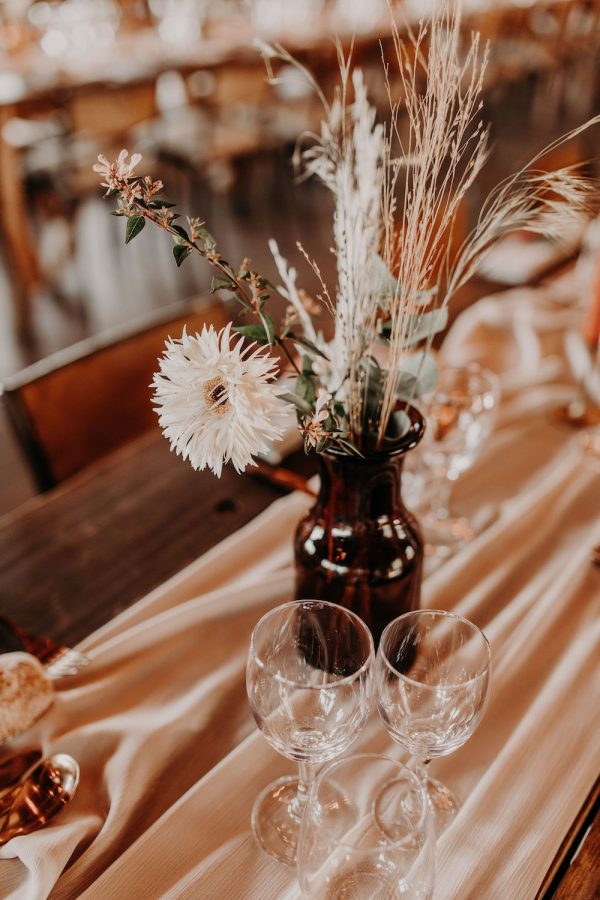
306,776
419,766
444,804
583,400
595,366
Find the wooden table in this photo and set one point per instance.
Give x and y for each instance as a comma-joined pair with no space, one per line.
75,557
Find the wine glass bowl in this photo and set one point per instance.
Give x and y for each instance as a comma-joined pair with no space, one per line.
367,833
433,675
460,415
309,682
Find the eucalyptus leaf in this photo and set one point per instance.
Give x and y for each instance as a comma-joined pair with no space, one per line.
373,390
306,365
419,376
426,325
135,224
252,332
348,445
301,405
373,376
386,285
269,327
304,342
371,368
383,284
398,425
306,388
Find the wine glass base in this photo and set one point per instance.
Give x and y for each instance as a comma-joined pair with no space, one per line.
275,824
444,537
392,810
444,804
276,818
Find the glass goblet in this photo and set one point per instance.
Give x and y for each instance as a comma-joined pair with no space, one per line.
367,833
432,677
460,416
590,439
309,681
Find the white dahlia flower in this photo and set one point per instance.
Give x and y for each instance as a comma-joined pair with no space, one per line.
217,402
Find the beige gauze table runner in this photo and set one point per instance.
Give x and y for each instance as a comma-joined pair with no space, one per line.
171,760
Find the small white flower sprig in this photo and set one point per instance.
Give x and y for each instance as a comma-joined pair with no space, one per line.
218,402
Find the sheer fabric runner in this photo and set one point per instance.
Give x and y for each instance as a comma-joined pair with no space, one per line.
171,761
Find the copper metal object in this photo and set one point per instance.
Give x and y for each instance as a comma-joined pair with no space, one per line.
38,797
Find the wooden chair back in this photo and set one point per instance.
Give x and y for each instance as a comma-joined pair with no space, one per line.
78,405
111,111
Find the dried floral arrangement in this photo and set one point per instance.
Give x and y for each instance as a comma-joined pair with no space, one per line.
397,187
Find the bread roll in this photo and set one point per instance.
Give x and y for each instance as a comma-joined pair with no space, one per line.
25,693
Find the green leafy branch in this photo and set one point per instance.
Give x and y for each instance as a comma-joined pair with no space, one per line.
251,290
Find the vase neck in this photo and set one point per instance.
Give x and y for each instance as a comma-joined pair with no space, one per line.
360,489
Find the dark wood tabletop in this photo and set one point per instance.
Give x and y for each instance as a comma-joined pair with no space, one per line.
73,558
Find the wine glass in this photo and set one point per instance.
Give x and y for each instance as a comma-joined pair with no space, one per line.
432,676
460,416
367,833
309,681
590,439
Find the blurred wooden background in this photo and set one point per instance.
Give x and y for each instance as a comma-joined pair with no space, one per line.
184,84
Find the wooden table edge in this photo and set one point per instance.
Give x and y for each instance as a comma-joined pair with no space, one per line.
558,874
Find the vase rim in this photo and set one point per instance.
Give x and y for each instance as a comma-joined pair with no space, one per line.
398,447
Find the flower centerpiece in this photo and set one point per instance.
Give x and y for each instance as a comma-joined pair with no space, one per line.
397,186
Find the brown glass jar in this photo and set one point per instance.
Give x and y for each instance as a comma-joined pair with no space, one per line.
359,546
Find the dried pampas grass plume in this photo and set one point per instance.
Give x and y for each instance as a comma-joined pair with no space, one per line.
398,190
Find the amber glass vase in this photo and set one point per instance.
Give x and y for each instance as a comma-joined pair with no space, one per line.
359,546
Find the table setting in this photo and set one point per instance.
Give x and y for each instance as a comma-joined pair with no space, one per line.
383,685
128,722
527,582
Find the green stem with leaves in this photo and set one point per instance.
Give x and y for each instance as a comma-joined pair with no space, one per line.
251,302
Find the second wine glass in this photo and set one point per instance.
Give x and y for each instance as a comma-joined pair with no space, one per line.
433,676
309,681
